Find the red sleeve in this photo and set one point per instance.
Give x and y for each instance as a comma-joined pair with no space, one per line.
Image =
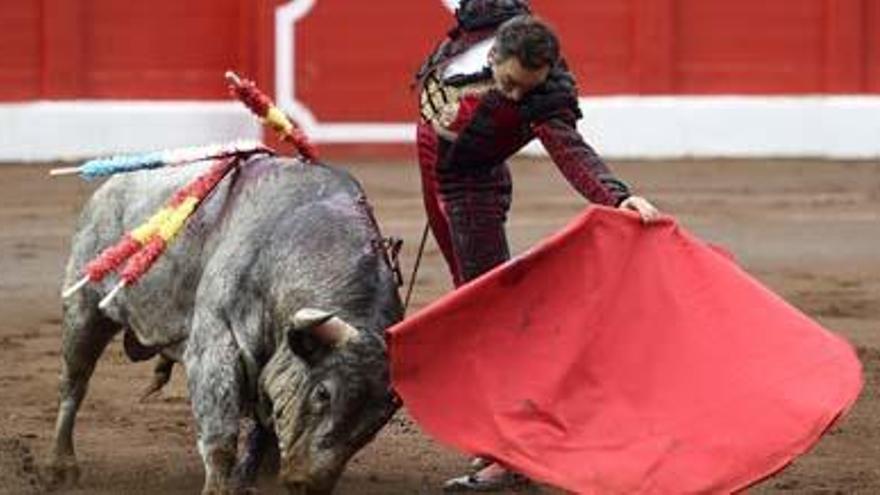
579,163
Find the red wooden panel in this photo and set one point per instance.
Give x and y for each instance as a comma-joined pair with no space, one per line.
20,45
654,31
872,45
247,34
845,46
597,40
259,52
62,71
355,62
750,46
161,48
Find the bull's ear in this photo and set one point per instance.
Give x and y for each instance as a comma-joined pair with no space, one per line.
316,332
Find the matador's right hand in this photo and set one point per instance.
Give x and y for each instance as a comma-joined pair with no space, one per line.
643,207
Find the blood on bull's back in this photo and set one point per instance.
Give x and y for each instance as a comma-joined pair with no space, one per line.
279,276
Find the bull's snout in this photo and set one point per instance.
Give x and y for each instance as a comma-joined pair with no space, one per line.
295,487
305,483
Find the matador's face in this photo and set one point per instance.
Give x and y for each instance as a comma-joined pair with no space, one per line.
512,79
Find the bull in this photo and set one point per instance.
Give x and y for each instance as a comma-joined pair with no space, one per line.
275,300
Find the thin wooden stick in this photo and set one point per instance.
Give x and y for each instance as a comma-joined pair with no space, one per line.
75,287
106,301
64,171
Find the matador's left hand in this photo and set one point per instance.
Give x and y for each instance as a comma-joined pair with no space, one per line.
643,207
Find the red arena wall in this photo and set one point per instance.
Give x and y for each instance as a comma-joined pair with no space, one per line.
106,49
358,52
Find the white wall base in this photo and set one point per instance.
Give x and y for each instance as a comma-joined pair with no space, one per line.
844,127
72,130
840,127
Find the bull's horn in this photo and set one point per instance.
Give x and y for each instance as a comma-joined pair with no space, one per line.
307,318
327,327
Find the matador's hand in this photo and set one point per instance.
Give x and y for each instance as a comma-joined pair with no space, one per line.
642,206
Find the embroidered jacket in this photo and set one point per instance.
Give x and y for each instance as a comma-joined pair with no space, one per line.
485,128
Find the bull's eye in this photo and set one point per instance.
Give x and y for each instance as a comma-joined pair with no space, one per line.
321,396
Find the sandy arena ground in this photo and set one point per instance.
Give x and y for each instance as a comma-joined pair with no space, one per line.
809,230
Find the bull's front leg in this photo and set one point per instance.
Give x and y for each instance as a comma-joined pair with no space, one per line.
216,385
261,443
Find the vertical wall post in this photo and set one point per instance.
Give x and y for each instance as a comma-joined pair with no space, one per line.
845,45
63,49
654,46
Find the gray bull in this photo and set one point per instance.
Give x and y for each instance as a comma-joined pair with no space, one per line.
275,298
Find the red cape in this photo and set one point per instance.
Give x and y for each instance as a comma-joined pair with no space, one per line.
620,358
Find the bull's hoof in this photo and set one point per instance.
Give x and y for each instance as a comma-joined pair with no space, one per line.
223,489
151,390
244,484
63,474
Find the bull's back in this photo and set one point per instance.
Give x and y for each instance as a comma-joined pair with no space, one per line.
299,235
253,218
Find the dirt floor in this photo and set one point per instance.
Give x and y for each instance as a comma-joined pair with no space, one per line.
809,230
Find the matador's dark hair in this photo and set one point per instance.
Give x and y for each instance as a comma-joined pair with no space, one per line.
530,40
473,15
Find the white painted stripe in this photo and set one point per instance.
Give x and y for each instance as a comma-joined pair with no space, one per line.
618,127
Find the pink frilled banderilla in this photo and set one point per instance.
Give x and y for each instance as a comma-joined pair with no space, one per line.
140,248
263,107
